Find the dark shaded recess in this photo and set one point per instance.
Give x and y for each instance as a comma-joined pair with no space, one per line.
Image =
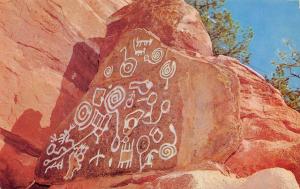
80,71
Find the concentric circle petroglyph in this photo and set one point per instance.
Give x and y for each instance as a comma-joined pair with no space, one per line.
83,114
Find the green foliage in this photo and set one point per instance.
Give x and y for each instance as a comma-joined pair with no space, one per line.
226,35
287,68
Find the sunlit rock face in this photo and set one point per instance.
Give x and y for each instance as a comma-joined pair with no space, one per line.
48,56
139,100
145,110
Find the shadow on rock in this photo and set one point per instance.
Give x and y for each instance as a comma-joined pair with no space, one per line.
24,143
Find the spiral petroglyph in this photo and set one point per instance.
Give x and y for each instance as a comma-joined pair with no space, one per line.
157,55
167,151
108,71
114,98
125,121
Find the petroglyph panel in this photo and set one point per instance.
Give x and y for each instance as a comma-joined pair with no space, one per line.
129,120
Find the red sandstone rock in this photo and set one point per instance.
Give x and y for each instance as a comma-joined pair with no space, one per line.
176,23
43,80
48,56
131,122
275,178
270,129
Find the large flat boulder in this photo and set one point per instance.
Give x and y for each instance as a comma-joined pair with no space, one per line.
149,107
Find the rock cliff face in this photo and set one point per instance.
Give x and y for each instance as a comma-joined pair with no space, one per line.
143,102
49,55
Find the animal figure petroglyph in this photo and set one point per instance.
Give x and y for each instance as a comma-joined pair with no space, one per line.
75,160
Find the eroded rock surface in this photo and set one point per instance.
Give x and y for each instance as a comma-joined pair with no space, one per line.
48,57
130,122
158,103
275,178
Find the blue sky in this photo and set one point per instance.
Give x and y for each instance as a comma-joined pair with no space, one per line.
272,22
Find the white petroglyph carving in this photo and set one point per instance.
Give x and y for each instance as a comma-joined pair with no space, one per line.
97,157
132,120
98,96
108,71
97,119
167,71
126,154
156,135
101,126
168,150
149,159
51,149
65,137
116,141
82,115
143,87
75,160
114,99
56,165
142,146
110,162
156,56
139,46
130,100
164,108
128,66
103,113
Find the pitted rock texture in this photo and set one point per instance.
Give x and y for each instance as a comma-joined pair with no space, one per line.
130,122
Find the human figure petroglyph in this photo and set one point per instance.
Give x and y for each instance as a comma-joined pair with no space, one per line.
149,159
